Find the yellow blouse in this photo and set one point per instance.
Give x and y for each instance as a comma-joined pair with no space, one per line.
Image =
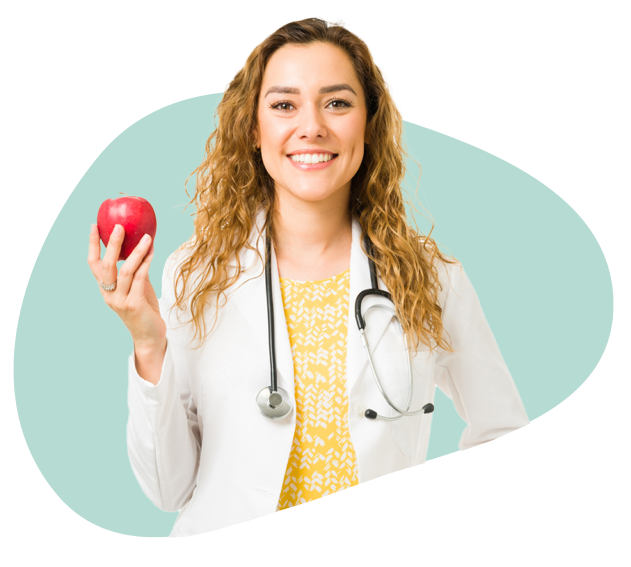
322,458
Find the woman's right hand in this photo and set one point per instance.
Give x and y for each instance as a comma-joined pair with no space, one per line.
134,299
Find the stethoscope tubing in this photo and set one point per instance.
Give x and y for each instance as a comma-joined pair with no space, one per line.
274,402
361,323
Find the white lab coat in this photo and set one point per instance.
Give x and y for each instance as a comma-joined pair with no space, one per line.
197,442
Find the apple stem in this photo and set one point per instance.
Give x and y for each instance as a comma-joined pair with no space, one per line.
126,195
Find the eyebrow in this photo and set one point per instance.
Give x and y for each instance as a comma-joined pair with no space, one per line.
323,90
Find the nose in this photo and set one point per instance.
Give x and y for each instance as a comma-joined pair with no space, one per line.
312,123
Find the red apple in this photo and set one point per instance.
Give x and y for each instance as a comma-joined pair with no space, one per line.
135,214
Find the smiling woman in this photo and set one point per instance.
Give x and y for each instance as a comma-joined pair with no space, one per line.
300,218
312,144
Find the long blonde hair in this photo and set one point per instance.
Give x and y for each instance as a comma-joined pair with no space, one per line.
232,184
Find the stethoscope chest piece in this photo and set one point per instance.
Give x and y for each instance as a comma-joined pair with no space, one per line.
274,405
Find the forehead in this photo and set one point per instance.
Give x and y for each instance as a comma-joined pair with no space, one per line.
309,65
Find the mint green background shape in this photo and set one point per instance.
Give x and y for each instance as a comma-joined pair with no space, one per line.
539,272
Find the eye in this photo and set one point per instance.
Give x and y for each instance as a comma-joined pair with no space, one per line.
278,105
344,103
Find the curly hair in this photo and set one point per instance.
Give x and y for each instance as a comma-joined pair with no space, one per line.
232,184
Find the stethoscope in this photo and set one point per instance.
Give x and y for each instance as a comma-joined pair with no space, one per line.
273,402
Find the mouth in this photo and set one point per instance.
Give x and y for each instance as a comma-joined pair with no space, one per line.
325,161
312,158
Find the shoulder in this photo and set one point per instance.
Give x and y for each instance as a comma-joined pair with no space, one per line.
177,258
449,270
444,263
171,268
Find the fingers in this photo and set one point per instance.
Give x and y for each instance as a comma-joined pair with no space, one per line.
130,288
109,272
94,253
137,290
128,269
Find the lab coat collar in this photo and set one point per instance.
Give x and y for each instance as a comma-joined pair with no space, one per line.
250,299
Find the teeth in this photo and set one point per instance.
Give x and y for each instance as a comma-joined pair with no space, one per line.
311,158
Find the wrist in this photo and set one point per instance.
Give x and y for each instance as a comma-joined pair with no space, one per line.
150,348
148,359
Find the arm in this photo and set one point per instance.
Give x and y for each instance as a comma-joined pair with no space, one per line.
163,437
475,375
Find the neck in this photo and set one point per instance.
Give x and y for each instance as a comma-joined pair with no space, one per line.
311,233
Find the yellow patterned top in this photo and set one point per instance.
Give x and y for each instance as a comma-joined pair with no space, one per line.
322,458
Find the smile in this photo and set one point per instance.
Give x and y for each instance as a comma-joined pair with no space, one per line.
327,159
311,158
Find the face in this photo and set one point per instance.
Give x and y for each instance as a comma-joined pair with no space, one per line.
311,105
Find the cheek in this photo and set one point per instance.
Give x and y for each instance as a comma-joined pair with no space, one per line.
274,136
265,158
358,129
358,139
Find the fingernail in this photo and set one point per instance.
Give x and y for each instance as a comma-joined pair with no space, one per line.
118,229
145,239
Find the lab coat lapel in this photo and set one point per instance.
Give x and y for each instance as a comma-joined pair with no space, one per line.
251,301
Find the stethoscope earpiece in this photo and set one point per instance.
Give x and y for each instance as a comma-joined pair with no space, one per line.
372,414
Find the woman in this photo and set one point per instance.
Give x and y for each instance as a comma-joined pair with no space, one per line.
307,160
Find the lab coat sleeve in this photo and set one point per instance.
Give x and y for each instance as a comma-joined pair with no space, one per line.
475,375
163,435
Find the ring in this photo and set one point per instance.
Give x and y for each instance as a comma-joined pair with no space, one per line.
109,287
